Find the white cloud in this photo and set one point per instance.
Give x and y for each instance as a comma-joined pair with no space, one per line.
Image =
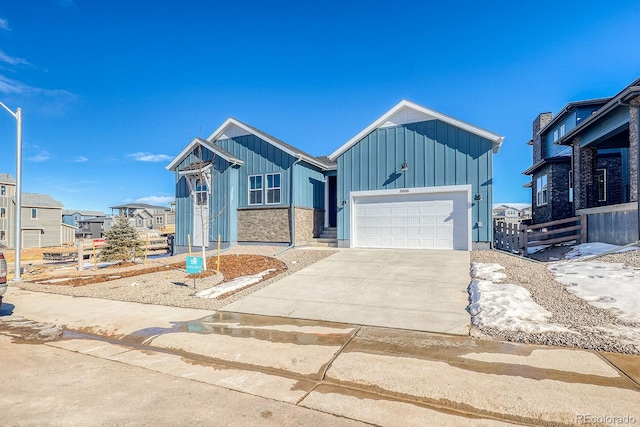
150,157
40,157
4,24
155,200
12,60
80,159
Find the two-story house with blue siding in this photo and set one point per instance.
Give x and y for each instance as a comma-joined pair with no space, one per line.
413,178
586,163
551,176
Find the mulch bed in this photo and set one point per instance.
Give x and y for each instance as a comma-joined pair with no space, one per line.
231,266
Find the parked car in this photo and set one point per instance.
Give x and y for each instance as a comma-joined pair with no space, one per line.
3,276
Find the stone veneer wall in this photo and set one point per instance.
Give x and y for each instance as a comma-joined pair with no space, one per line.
634,142
539,149
309,224
264,225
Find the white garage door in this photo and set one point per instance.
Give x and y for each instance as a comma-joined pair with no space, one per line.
421,220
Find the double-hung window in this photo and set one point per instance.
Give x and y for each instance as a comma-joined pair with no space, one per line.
34,213
541,190
255,189
273,188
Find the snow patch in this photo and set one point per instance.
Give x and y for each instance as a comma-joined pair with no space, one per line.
508,307
233,285
487,271
584,250
602,284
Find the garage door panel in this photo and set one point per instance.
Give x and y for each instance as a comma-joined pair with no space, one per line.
420,220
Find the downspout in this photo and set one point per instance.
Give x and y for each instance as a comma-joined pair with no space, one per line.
292,216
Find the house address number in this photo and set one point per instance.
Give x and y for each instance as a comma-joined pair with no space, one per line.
405,190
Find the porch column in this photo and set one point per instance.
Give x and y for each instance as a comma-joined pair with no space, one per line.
326,202
633,149
584,169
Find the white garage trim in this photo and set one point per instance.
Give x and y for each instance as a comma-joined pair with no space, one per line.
457,193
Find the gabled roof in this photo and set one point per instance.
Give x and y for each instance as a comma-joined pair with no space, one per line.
6,178
138,206
629,92
211,146
569,107
410,112
40,200
83,213
234,127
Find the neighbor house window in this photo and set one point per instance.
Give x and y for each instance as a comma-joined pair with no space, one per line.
555,135
158,220
34,213
3,213
3,235
570,186
138,222
201,193
541,190
255,189
601,183
563,130
3,190
273,188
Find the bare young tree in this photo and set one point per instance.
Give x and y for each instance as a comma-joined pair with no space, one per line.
200,182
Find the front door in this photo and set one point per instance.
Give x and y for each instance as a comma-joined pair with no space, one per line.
333,201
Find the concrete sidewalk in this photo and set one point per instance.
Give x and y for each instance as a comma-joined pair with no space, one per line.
423,290
376,375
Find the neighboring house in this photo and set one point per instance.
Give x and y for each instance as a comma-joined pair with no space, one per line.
514,213
73,218
597,174
41,222
552,192
414,178
141,215
7,210
40,218
91,228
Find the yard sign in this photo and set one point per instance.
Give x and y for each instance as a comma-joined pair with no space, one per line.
194,265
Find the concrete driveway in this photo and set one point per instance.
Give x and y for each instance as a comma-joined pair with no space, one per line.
424,290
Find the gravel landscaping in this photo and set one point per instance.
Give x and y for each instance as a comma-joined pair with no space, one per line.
592,327
171,287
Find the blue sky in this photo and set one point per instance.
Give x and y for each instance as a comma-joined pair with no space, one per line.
112,90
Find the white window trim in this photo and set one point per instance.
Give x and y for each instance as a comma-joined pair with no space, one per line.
604,174
563,130
249,190
555,135
266,189
542,190
32,216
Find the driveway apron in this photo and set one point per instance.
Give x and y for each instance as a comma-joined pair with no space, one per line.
424,290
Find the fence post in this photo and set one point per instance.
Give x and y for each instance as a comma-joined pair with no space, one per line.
583,229
524,239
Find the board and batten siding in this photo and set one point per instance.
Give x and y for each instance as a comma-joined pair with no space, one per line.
437,154
259,158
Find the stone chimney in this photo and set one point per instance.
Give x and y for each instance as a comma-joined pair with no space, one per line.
540,122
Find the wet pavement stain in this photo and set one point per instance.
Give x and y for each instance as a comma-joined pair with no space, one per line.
265,328
452,349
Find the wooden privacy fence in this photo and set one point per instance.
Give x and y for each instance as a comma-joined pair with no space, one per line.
517,238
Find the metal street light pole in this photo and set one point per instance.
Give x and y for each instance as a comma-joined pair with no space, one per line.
18,233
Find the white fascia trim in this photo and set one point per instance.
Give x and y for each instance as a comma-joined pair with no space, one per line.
231,121
403,192
493,137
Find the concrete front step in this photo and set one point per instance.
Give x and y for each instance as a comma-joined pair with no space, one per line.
325,235
323,244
